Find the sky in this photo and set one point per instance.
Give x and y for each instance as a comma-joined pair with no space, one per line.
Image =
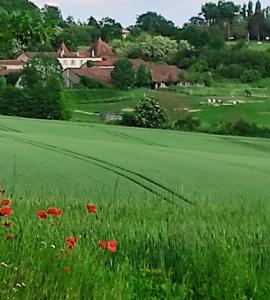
126,11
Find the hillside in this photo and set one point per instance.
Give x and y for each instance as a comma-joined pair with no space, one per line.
164,205
88,158
84,104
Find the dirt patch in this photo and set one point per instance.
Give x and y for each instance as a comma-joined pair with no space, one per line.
128,109
84,112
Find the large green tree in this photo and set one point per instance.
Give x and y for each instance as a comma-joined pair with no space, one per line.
154,23
123,74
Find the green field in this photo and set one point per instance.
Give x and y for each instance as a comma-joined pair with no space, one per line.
190,213
85,104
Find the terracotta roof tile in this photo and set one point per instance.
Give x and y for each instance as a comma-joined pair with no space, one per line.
12,62
160,72
102,74
101,49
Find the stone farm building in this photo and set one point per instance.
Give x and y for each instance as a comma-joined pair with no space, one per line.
75,67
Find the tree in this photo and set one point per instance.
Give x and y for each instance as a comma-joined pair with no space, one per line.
244,10
239,27
143,77
110,29
153,23
258,7
123,74
30,29
227,12
41,68
210,12
42,82
93,22
53,13
256,26
70,20
18,5
250,9
149,114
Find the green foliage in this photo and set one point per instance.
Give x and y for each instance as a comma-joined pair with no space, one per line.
188,123
143,77
232,71
91,83
53,13
145,46
42,68
23,30
240,127
13,78
3,82
149,114
17,5
75,35
41,95
123,75
90,64
250,75
155,24
110,29
197,78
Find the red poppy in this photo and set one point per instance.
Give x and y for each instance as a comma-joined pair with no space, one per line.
5,211
42,214
71,242
10,237
54,211
6,202
103,244
8,224
2,191
67,269
112,246
91,208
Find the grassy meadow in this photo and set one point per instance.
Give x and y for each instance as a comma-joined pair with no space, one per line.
190,213
84,104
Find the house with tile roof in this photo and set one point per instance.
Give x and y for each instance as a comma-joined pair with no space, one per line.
10,66
162,74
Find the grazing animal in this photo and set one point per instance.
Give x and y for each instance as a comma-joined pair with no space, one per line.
248,93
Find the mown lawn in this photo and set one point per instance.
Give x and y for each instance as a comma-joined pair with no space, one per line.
189,212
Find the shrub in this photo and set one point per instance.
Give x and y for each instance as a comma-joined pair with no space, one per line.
2,82
91,83
128,119
232,71
250,75
13,78
149,114
90,64
187,124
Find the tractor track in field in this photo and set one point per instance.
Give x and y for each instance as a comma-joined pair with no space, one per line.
124,135
109,167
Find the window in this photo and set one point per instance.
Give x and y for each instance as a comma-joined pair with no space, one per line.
73,62
65,62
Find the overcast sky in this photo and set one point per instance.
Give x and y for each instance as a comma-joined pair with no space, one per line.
126,11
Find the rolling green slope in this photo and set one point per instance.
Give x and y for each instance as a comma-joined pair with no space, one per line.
109,161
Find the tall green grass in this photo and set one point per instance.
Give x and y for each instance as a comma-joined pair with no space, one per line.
165,250
215,248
